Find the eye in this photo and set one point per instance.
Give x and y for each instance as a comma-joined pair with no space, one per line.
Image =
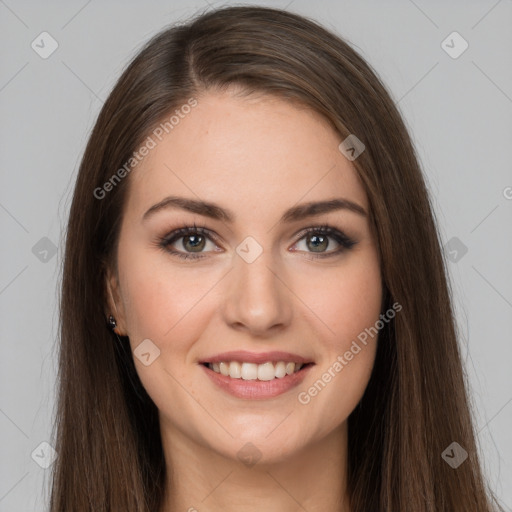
318,240
193,241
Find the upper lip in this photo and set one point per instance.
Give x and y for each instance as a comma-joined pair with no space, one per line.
257,358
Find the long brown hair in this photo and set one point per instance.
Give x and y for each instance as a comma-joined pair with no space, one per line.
107,433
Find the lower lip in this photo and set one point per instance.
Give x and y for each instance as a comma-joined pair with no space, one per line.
257,389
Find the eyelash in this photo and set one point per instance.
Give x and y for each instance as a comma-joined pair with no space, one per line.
165,242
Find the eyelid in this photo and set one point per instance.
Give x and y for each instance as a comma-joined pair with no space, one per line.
326,230
344,241
164,242
177,233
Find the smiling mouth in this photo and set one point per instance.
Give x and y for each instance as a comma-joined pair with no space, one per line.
251,371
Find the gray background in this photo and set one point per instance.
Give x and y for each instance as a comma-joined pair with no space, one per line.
459,111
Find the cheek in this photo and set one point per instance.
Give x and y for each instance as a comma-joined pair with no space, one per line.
162,301
348,305
346,300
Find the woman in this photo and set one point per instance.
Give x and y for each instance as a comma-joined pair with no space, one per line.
251,219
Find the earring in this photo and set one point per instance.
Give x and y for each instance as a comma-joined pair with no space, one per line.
112,322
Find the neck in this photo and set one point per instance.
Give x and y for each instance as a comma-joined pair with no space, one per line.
200,479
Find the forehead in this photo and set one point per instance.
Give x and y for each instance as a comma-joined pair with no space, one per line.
248,153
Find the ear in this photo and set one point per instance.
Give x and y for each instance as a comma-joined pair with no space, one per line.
114,303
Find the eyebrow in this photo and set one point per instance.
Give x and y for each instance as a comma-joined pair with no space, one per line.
216,212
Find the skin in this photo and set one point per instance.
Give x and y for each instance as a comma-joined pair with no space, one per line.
256,156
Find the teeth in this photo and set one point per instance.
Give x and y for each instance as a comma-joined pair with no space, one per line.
266,371
280,370
235,370
252,371
224,369
249,371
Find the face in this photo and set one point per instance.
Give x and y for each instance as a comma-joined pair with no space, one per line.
256,281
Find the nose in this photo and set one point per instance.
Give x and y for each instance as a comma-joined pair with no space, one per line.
257,298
